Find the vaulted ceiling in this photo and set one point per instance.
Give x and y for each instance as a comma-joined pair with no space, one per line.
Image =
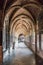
22,14
9,2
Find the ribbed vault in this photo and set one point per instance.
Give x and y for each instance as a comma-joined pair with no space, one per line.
21,17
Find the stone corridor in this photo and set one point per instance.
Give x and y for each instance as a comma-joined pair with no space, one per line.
21,55
21,32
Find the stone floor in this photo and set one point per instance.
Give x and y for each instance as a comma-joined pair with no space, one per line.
21,55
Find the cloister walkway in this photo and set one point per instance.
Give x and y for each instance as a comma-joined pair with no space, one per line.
20,55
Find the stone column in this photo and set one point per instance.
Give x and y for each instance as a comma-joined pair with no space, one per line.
39,41
1,53
1,30
8,41
35,39
7,32
8,37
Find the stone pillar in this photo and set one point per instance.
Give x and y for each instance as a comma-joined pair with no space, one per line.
11,39
30,43
35,39
7,32
1,26
8,37
1,53
39,41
